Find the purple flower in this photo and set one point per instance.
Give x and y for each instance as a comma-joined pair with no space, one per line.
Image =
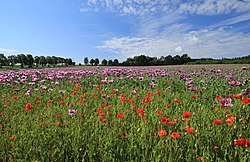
141,79
72,112
244,68
133,91
234,83
226,101
61,91
246,91
193,89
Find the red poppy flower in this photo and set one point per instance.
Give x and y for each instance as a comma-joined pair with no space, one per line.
187,114
12,138
162,133
130,100
167,104
238,96
139,110
245,100
123,99
153,133
216,148
217,121
243,121
165,120
194,96
230,120
60,102
81,115
241,142
218,98
159,112
199,158
104,121
123,134
67,103
28,106
120,115
175,135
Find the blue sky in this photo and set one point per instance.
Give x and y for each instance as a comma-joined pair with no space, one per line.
125,28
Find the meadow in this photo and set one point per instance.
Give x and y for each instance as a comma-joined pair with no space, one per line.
172,113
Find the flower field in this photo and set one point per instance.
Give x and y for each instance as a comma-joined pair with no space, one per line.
182,113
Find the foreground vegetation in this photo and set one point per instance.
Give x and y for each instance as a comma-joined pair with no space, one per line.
194,113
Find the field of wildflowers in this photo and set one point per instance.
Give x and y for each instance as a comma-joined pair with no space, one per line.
186,113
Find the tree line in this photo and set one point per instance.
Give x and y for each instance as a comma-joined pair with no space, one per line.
30,61
104,62
140,60
143,60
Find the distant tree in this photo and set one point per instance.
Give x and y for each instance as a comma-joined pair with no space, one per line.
116,62
61,60
185,59
22,59
3,60
12,59
86,60
104,62
168,60
177,60
153,61
97,61
49,60
54,60
110,63
43,60
161,60
92,61
70,62
30,60
141,60
37,60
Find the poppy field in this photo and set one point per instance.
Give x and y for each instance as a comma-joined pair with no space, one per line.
181,113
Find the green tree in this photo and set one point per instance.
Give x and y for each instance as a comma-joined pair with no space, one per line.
43,60
177,60
185,59
3,60
30,60
168,60
116,62
22,59
54,60
110,62
37,60
86,60
104,62
92,61
97,61
12,59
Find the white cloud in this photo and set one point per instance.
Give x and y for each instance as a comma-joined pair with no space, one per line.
162,28
129,7
141,7
7,51
214,7
215,44
178,49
